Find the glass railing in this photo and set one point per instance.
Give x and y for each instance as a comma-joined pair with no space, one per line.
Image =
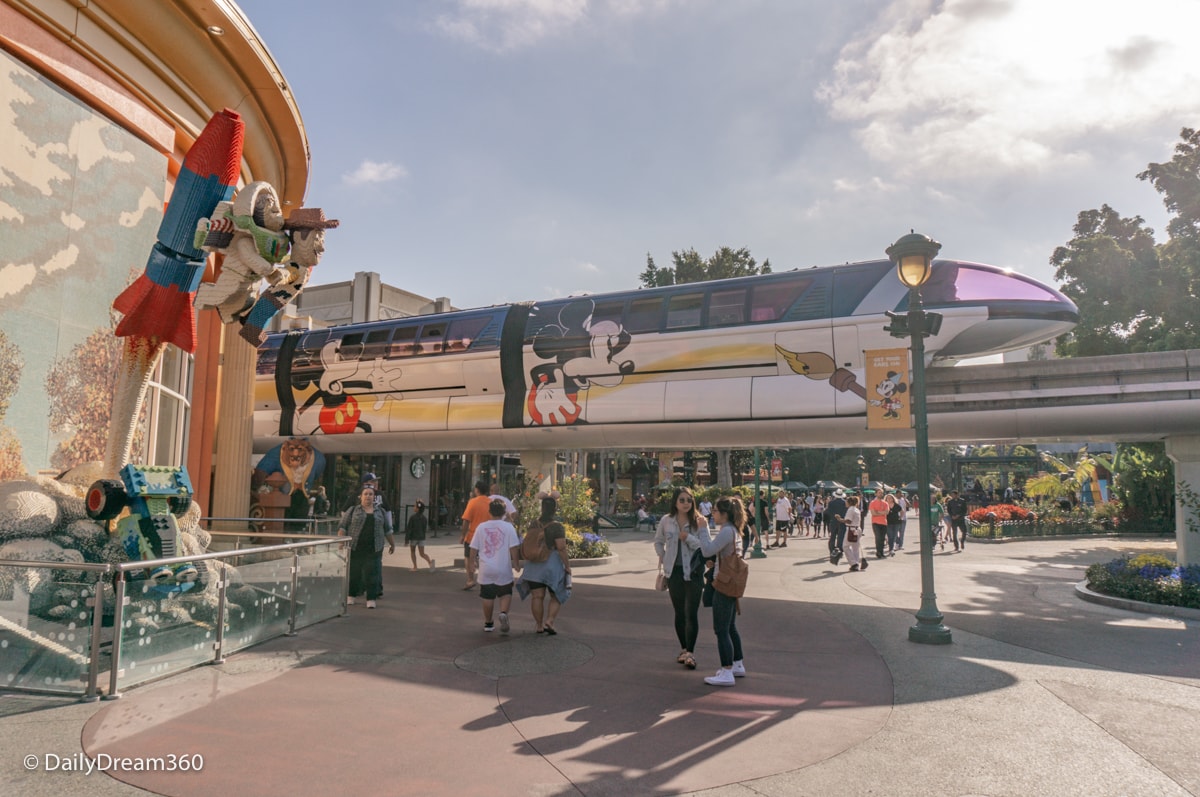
50,630
52,639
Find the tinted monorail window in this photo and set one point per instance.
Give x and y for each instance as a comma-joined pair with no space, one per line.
727,307
351,346
644,315
609,311
431,339
975,284
376,344
771,300
403,342
683,312
462,333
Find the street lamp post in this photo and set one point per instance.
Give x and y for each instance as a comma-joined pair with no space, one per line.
758,552
913,255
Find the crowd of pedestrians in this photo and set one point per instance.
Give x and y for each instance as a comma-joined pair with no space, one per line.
690,540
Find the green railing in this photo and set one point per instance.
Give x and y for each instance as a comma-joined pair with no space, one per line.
55,636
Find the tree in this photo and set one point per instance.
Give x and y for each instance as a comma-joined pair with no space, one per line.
80,389
690,267
12,463
1135,295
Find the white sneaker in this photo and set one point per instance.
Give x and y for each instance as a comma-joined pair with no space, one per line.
739,670
349,601
432,565
503,622
370,604
723,677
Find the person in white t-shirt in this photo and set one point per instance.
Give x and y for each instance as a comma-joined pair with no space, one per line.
783,519
495,552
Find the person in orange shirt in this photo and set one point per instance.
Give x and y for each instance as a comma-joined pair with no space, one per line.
878,510
476,512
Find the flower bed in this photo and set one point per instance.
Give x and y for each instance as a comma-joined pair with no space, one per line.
586,545
1150,578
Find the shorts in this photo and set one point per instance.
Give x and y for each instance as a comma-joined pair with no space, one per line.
781,525
490,591
467,550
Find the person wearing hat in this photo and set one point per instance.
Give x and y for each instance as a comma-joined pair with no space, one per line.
414,535
835,509
306,231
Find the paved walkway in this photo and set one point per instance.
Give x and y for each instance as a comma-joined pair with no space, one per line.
1040,692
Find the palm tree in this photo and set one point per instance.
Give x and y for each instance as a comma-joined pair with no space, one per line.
1064,480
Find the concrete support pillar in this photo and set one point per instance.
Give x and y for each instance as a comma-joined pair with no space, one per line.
235,430
1184,451
541,464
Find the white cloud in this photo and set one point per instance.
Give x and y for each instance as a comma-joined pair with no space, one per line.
15,278
977,87
506,25
64,258
375,172
146,202
590,268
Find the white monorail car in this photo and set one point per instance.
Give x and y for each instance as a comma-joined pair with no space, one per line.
729,362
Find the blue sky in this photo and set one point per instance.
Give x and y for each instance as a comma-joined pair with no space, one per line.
507,150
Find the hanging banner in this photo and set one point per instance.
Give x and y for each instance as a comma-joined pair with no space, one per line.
777,470
888,390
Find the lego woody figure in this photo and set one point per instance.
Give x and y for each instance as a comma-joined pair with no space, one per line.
249,233
306,227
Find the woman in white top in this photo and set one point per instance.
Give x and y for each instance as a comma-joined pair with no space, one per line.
678,545
852,546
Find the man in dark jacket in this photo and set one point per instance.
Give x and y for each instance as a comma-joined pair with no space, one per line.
956,510
836,508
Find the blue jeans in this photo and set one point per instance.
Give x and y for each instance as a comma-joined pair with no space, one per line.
892,533
729,641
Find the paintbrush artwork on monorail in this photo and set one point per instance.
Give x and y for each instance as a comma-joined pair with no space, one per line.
686,362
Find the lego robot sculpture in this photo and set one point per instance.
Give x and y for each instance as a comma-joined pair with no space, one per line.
155,496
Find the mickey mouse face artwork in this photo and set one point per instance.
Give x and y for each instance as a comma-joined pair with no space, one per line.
889,390
583,353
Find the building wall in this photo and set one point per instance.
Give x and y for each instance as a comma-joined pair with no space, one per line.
99,103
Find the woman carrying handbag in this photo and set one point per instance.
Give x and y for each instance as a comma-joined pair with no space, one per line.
679,558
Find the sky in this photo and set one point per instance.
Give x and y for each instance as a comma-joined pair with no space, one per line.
507,150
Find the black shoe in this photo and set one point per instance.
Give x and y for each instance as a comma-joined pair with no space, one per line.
864,564
853,568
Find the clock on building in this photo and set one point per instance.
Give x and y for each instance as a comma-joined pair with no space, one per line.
417,467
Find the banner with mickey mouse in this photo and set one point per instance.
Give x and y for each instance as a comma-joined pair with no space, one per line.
888,397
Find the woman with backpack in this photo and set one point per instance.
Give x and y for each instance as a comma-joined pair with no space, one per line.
730,516
552,573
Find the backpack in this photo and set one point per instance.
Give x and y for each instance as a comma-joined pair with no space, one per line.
533,547
732,572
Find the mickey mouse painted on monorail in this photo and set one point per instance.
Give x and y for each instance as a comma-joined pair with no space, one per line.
584,352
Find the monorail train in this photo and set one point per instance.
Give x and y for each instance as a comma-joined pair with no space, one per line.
730,362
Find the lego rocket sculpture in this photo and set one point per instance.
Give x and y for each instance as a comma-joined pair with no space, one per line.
158,305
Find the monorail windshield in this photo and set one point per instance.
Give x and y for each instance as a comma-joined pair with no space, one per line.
967,282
